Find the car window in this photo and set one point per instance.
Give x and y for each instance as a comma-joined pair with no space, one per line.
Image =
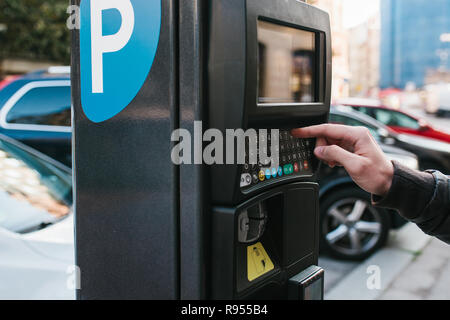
33,192
396,119
348,121
43,106
363,110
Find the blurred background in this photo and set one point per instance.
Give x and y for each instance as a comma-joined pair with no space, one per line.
395,51
391,73
33,35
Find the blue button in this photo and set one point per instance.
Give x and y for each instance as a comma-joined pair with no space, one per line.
280,171
274,172
268,174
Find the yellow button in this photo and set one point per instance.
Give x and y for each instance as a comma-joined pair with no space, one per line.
262,175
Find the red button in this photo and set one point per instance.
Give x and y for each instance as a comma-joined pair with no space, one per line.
296,168
306,165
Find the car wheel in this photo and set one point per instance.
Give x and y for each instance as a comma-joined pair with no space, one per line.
351,228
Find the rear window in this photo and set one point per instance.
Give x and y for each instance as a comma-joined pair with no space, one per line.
396,119
48,106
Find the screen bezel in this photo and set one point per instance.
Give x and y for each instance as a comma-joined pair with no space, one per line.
289,14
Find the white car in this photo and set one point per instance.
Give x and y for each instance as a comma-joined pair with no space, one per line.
438,98
36,225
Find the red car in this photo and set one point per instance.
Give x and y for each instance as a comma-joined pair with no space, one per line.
7,80
399,121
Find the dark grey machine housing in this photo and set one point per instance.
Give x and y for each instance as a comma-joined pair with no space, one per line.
147,229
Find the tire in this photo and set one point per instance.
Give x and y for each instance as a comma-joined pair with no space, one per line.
348,237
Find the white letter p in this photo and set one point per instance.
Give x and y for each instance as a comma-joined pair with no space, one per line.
111,43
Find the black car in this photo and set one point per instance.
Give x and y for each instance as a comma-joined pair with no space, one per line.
350,227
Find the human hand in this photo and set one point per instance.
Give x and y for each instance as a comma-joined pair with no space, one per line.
356,150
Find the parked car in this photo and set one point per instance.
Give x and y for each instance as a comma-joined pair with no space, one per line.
432,154
438,99
36,225
350,227
398,120
36,110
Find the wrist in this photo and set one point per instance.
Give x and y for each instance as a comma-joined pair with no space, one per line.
386,177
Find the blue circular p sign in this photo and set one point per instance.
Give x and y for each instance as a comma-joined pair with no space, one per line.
118,43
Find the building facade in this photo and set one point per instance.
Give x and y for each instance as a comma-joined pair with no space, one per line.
339,35
412,41
364,55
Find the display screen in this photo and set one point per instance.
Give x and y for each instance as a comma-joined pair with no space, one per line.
287,58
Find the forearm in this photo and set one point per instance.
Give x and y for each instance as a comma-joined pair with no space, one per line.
421,197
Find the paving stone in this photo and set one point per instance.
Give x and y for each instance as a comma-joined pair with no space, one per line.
441,290
391,262
335,270
410,238
427,277
397,294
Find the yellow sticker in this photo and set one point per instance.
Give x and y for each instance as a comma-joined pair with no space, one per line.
258,262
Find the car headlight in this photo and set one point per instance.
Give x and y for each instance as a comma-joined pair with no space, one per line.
408,161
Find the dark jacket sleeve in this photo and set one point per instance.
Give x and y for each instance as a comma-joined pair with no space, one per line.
422,198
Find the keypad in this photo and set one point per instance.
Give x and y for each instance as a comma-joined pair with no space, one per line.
295,159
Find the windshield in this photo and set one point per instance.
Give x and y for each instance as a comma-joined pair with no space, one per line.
33,192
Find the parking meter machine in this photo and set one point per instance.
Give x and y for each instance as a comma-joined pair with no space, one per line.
157,220
269,67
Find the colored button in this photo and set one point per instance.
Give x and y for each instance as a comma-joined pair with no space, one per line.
262,175
306,165
274,172
268,174
280,171
286,170
296,167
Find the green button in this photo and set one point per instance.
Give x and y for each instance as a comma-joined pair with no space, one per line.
286,169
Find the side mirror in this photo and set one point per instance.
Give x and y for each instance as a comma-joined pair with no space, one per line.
423,126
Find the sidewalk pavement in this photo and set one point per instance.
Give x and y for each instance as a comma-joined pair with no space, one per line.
412,266
427,277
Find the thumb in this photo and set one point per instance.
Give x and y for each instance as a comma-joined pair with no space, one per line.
335,154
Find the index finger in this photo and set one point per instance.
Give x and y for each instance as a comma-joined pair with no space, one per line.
328,131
